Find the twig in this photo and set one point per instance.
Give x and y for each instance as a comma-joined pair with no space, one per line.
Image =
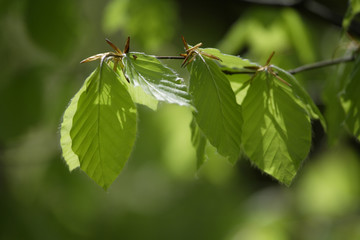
306,67
322,64
169,57
240,72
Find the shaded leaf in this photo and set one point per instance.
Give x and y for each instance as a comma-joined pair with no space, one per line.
155,78
350,99
103,128
217,113
276,130
198,140
334,112
352,11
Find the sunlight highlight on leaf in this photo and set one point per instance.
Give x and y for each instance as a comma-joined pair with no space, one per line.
277,130
103,127
155,78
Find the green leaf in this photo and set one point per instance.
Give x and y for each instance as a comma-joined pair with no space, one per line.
352,11
138,94
229,62
103,127
140,97
217,113
155,78
276,130
302,95
350,99
71,159
198,140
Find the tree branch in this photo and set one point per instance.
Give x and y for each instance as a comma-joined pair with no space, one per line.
306,67
321,64
170,57
303,68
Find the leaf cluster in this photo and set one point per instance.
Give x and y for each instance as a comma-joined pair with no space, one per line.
265,116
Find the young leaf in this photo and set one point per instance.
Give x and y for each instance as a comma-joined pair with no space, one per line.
155,78
217,113
103,127
228,62
350,99
71,159
137,93
139,96
302,95
198,140
276,130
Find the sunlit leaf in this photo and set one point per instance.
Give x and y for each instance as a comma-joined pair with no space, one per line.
198,140
138,94
350,100
217,113
103,127
155,78
71,159
302,95
276,130
229,62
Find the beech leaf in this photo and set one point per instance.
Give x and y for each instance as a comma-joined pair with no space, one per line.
99,127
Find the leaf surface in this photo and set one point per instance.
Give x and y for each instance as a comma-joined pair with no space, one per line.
302,95
276,130
103,127
217,113
155,78
229,62
350,100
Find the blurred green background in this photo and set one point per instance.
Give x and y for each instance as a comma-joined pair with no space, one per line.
159,195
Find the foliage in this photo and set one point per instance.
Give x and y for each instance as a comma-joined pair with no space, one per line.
267,117
99,127
269,121
41,47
